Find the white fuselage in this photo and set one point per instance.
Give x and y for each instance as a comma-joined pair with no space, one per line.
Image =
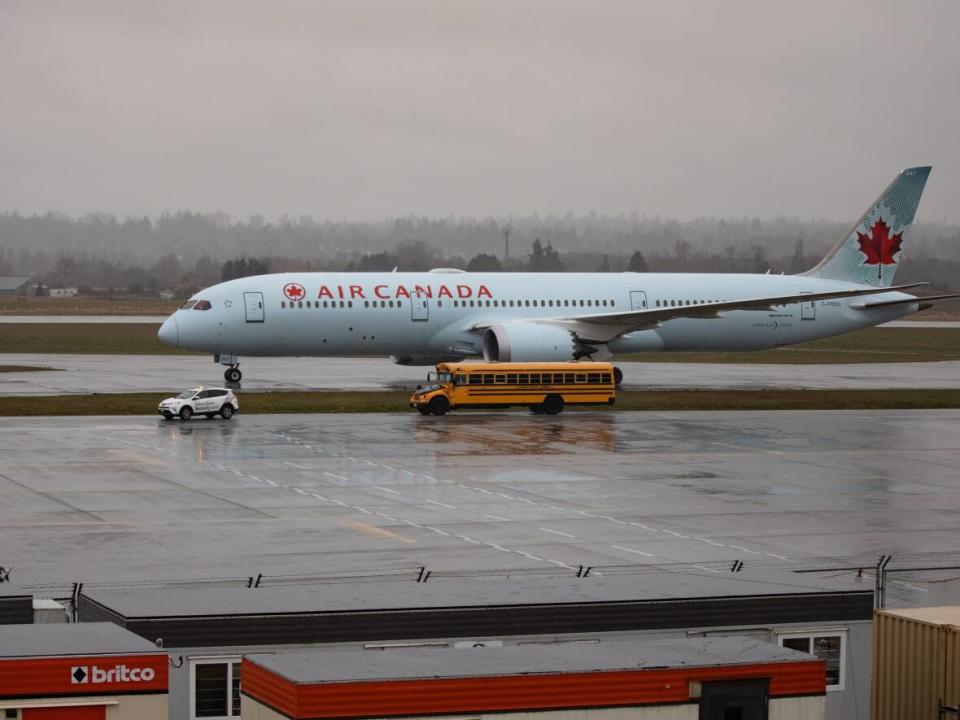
432,314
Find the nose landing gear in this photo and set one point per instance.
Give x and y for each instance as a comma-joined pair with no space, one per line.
232,374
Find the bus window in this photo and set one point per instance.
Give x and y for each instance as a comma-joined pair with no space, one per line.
534,378
511,379
568,378
500,378
461,380
523,379
593,378
606,378
558,378
488,379
581,377
476,379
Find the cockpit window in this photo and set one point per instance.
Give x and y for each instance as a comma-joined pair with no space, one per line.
202,305
188,304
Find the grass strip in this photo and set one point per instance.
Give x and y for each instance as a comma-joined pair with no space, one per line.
24,368
396,401
873,345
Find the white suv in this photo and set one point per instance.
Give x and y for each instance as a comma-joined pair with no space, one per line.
200,400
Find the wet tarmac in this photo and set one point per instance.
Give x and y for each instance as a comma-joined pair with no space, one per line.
164,373
137,499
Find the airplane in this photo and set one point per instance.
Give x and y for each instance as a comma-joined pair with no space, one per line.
422,318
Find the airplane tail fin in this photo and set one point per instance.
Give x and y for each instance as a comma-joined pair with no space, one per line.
870,252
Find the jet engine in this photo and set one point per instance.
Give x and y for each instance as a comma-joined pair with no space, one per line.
528,341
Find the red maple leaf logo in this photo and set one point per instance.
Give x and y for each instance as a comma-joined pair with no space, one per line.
294,291
880,246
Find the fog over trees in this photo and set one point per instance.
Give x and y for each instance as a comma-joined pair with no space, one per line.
185,251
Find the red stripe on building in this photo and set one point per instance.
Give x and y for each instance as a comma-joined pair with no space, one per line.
514,693
101,675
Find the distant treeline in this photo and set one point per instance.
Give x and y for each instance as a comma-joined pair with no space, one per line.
184,251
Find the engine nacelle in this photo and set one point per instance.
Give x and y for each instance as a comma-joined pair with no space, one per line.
529,342
424,359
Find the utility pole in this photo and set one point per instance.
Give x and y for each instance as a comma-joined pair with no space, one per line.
506,242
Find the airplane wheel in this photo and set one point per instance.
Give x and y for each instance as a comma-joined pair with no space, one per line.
439,405
232,375
186,412
553,405
226,412
617,376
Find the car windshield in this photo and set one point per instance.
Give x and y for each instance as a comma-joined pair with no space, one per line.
187,394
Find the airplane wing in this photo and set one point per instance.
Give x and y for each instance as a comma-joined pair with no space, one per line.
603,327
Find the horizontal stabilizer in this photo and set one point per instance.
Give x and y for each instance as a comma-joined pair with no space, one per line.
923,301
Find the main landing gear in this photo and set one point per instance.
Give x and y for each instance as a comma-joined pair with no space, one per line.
232,374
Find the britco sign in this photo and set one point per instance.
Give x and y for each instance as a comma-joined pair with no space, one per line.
91,674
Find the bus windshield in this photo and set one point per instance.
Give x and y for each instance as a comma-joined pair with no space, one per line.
440,378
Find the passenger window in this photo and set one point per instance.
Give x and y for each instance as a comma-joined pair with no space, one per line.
500,378
558,378
606,378
460,380
202,305
476,379
593,377
581,378
512,379
523,379
488,379
283,303
568,378
534,378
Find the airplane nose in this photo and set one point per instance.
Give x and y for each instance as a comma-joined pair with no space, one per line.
169,333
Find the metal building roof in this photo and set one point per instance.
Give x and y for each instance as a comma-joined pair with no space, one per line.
12,283
461,593
946,615
62,639
351,665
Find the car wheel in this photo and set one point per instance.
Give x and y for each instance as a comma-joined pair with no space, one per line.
553,405
168,416
439,405
226,412
186,412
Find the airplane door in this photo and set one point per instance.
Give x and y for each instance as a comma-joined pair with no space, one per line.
638,300
419,309
808,310
254,304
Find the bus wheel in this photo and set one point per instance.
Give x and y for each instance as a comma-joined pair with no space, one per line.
617,376
553,405
439,405
536,409
423,409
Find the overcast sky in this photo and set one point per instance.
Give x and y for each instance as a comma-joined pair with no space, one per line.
364,110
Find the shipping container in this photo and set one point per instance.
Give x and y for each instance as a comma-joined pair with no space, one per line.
916,662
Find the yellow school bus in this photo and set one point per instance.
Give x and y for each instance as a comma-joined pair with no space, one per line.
545,387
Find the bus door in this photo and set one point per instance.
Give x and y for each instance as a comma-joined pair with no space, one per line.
253,301
419,309
808,310
638,299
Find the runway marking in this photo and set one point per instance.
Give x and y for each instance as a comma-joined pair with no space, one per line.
411,523
708,541
438,531
645,527
631,550
708,569
363,510
557,532
337,477
743,549
436,502
469,539
498,547
386,490
778,557
378,532
498,518
612,519
390,518
528,555
299,467
676,534
561,564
